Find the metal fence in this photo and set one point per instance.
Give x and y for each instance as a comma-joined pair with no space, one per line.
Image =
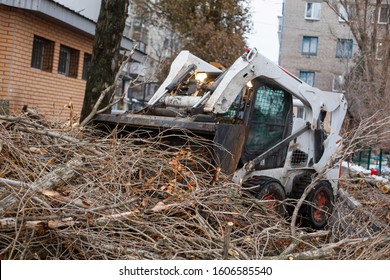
370,159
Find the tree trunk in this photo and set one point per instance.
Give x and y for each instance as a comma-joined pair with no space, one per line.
104,64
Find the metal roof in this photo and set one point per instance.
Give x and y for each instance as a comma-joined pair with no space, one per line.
67,16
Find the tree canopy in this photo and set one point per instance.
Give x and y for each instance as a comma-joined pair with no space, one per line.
211,29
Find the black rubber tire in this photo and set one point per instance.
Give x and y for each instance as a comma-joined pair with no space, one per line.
311,213
300,183
272,190
267,188
320,205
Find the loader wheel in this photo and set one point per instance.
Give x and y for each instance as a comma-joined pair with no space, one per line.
320,205
300,183
269,189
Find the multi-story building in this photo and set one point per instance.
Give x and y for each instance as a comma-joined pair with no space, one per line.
157,40
160,44
45,51
316,44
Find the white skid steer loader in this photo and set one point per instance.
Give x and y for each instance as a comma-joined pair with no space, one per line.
248,109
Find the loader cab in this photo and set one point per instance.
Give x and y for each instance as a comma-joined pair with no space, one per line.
269,121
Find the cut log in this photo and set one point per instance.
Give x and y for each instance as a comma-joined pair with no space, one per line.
362,181
385,188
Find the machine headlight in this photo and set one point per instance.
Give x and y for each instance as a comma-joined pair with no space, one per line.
200,76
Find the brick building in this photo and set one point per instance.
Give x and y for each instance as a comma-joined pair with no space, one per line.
45,51
315,44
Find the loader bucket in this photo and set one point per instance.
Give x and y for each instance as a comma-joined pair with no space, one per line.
229,141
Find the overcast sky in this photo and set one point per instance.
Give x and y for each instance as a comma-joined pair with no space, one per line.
265,12
265,27
88,8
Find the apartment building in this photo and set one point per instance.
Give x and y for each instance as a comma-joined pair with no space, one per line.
316,44
45,52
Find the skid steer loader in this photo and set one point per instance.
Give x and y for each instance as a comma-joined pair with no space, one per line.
276,131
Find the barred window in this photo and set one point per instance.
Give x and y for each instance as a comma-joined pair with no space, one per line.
68,61
86,64
42,54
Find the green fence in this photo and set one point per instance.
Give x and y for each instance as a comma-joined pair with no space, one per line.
370,159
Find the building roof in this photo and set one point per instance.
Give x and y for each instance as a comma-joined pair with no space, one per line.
68,17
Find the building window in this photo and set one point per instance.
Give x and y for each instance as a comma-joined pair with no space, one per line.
313,11
68,61
308,77
343,14
384,14
309,45
42,54
86,64
344,48
338,83
346,14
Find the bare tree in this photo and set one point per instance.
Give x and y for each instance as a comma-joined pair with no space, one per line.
368,81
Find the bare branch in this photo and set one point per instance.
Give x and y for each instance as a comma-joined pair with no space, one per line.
95,110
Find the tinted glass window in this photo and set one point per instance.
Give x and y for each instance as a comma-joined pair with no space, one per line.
268,119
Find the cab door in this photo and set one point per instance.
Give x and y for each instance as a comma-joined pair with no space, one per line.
270,121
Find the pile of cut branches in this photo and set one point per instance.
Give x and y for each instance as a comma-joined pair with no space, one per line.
85,194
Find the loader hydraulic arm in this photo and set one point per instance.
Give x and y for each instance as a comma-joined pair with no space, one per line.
254,65
175,83
184,64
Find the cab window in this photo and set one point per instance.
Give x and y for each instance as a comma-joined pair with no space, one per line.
269,118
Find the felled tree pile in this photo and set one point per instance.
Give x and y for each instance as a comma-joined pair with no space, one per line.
85,194
369,195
